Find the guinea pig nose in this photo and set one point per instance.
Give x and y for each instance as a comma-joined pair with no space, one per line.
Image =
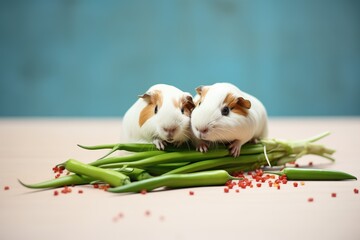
170,130
203,130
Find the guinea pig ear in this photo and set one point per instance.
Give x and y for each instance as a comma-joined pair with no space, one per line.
199,90
189,103
243,103
146,97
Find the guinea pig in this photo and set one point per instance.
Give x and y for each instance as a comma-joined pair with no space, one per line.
160,116
224,113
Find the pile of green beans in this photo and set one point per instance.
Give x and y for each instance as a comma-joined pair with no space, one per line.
146,168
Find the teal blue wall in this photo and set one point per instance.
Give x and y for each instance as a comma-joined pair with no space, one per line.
92,58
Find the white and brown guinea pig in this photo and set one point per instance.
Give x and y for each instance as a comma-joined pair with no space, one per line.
224,113
160,116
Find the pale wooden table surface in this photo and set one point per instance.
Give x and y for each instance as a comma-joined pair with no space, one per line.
29,148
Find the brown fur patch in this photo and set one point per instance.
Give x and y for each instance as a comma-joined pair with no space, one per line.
188,105
237,105
202,91
153,99
185,102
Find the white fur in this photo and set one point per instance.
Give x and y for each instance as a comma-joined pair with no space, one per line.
167,116
234,129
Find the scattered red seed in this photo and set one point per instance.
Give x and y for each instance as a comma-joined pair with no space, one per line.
237,190
104,187
278,186
333,195
270,183
56,193
80,191
147,213
6,188
296,165
66,190
191,193
120,215
143,192
258,184
302,183
226,190
310,163
310,199
356,191
295,184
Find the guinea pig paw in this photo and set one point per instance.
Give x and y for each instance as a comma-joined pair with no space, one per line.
159,144
235,149
202,147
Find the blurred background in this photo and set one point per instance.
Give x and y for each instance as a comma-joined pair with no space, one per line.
92,58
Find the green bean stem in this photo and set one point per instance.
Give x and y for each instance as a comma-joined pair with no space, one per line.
135,174
206,178
248,148
126,158
67,180
173,157
213,163
313,174
112,177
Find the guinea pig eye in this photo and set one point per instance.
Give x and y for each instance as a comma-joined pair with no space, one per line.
225,111
156,109
182,110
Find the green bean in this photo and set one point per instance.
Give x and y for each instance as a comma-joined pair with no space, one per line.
206,178
312,174
248,148
135,174
63,181
213,163
173,157
243,168
126,158
135,147
109,176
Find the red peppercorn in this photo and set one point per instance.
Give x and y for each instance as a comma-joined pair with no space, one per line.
191,193
270,184
96,185
258,184
242,184
147,213
226,190
56,193
295,184
356,191
80,191
237,190
333,195
6,188
310,199
143,192
310,163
